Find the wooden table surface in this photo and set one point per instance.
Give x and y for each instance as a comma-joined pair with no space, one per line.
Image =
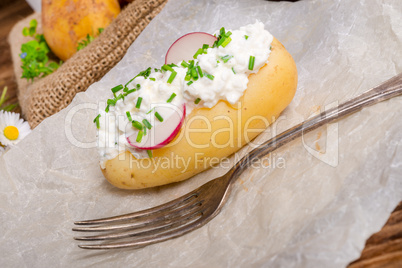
383,249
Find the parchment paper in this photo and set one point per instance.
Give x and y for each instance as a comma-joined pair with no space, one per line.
311,208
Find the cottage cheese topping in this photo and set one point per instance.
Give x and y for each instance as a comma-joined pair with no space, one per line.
225,70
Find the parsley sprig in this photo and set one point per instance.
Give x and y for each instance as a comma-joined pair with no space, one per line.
34,55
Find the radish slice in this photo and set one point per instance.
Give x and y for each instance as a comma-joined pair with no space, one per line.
163,132
186,46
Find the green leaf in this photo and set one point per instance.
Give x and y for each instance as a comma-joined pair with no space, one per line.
25,31
35,61
9,107
33,23
53,65
32,31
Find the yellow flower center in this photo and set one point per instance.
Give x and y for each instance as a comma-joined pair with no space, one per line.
11,132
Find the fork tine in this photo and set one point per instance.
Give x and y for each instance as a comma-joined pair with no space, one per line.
152,237
148,222
143,213
159,227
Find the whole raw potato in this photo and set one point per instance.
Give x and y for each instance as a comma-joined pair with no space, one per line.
209,135
66,22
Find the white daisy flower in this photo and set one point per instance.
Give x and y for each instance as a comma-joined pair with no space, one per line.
12,128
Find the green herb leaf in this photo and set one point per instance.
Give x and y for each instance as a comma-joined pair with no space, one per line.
34,55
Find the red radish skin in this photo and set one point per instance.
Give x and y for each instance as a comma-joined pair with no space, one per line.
186,46
132,139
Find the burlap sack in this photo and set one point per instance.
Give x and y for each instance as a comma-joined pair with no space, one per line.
45,97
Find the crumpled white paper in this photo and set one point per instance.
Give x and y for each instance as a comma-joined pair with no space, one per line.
304,208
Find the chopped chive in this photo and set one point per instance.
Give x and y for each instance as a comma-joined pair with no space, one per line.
156,70
197,101
145,73
222,31
226,42
138,86
146,123
160,118
121,96
191,64
96,120
125,89
246,36
145,130
111,102
107,108
171,97
172,65
130,91
251,63
210,76
188,77
205,46
151,78
171,77
226,58
137,125
199,51
139,136
150,110
138,104
200,71
233,70
189,83
130,81
167,68
129,116
184,64
194,74
117,88
221,41
149,152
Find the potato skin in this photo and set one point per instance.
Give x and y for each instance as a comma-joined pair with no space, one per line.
66,22
267,95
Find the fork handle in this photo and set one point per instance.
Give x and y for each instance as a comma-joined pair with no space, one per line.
387,90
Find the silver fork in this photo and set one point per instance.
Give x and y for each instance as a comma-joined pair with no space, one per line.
198,207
